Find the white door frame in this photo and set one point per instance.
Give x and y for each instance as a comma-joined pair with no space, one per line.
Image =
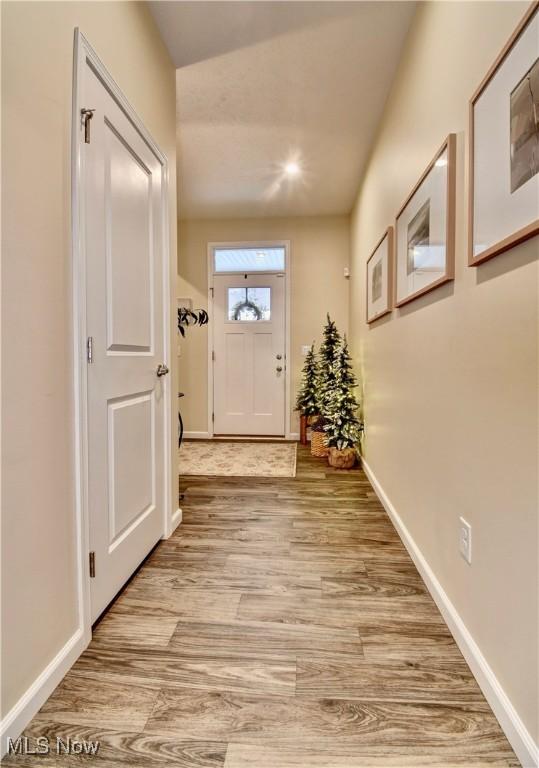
250,244
83,55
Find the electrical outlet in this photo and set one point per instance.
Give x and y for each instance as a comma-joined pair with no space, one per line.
465,540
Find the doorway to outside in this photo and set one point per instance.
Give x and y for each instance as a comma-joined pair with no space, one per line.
249,339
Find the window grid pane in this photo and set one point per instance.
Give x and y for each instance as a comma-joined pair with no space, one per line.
250,259
248,305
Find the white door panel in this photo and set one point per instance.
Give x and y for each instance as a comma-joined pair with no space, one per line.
128,203
249,388
265,376
131,477
124,312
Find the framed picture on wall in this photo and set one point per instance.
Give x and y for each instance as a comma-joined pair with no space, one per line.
380,278
425,229
504,147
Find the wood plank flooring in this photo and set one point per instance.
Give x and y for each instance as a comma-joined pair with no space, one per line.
282,626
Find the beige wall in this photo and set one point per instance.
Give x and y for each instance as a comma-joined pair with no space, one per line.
38,545
450,381
319,253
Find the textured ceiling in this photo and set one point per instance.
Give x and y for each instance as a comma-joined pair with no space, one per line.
262,83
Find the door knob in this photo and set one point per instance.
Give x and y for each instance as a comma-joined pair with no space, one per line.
279,368
279,357
162,370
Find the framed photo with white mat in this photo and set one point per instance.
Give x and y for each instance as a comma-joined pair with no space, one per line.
503,203
380,278
425,229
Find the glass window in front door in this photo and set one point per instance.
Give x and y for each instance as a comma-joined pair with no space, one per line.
248,305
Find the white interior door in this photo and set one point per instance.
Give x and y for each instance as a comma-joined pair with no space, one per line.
249,354
124,312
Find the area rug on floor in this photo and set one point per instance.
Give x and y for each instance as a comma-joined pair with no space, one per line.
238,459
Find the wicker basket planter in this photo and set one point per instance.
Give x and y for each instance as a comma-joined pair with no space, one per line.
318,446
342,459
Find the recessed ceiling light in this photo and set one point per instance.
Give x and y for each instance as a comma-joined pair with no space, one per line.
292,169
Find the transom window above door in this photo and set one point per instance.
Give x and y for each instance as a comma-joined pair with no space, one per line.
249,304
250,259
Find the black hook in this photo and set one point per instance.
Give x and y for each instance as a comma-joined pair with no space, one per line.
188,317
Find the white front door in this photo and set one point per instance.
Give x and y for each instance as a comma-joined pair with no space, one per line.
124,312
249,354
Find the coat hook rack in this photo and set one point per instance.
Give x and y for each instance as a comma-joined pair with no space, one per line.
187,317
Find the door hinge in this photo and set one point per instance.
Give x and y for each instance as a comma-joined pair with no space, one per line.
90,349
85,116
213,417
92,565
213,355
211,292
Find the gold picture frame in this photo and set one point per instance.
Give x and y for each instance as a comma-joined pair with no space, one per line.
385,259
436,256
501,106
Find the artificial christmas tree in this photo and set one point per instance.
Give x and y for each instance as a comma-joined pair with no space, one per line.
342,427
325,385
326,368
306,402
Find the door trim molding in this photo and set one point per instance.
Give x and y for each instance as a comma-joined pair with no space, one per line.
85,54
250,244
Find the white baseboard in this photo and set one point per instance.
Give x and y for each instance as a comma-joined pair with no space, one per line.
35,696
208,436
172,524
517,734
176,520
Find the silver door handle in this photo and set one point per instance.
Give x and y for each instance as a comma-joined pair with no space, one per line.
279,368
162,370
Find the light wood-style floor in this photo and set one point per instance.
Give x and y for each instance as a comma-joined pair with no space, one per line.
282,626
